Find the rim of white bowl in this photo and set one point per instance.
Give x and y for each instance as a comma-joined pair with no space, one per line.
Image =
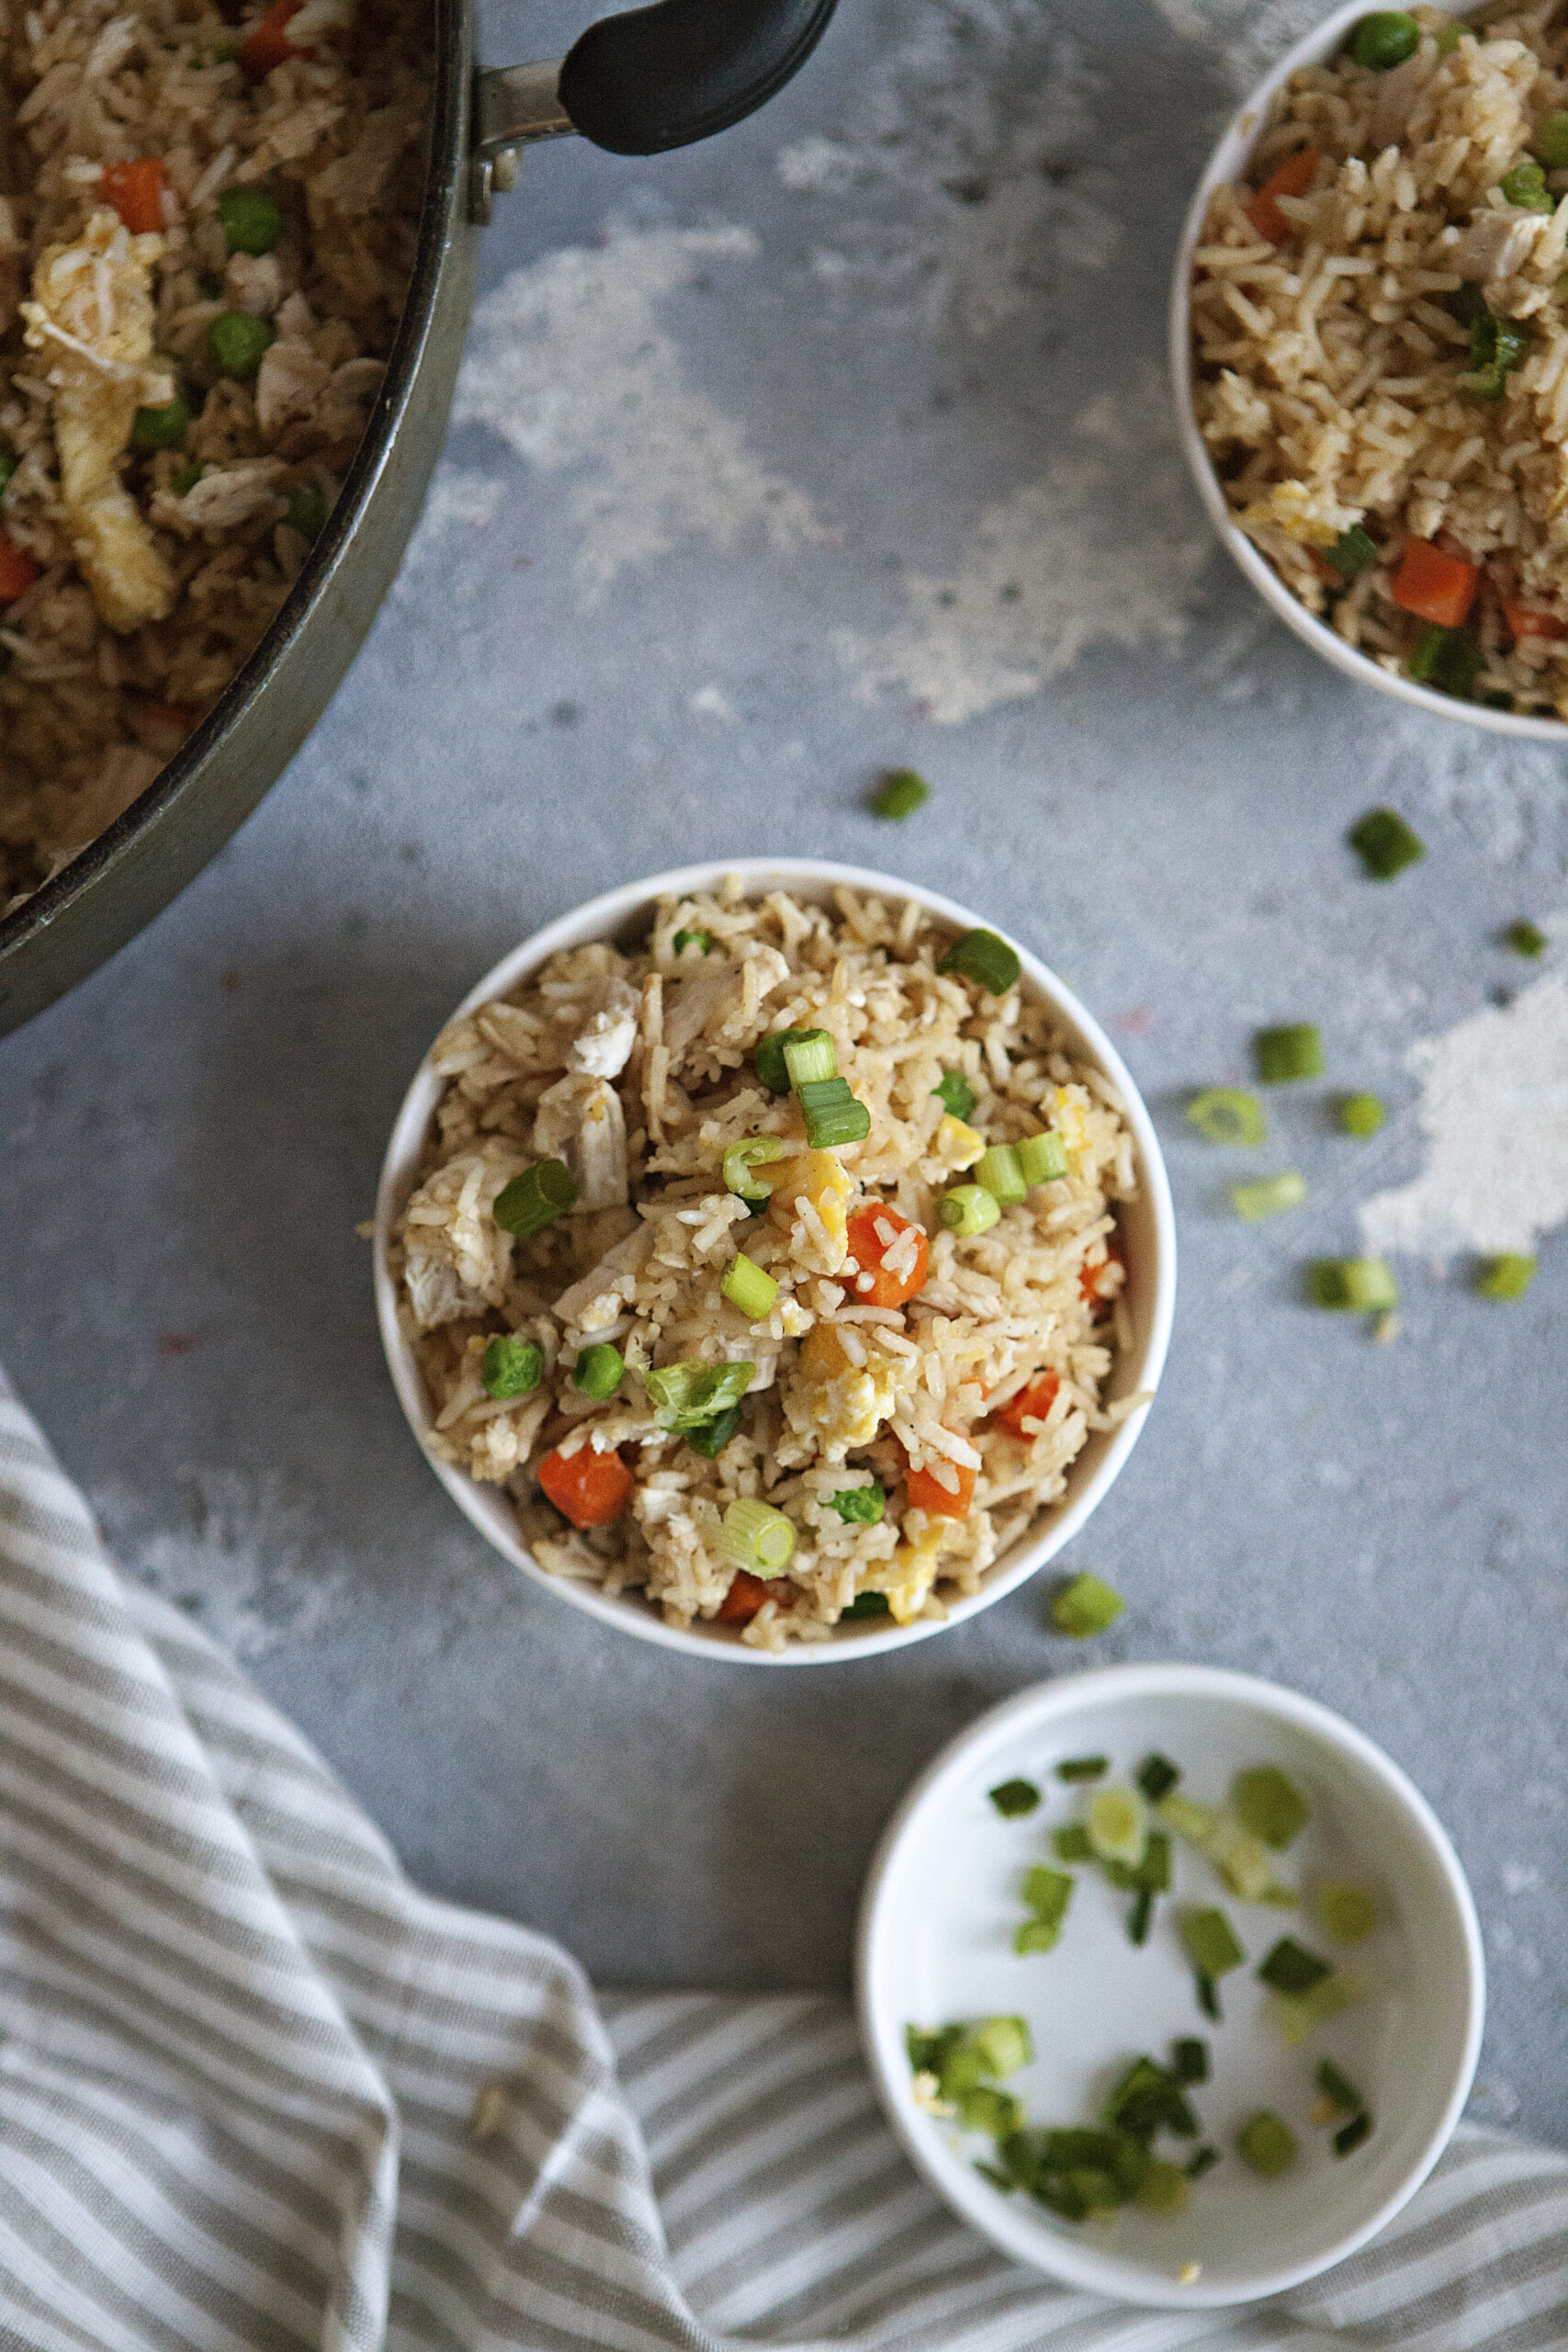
1229,162
489,1509
1078,2264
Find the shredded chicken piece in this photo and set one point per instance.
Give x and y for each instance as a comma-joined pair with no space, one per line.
92,313
604,1048
580,1120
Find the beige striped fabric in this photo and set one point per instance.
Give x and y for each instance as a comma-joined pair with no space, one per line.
259,2093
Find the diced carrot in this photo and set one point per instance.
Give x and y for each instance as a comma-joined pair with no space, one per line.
1032,1403
19,569
746,1595
270,45
169,718
868,1250
1099,1284
928,1492
136,191
1523,622
1294,178
592,1489
1435,585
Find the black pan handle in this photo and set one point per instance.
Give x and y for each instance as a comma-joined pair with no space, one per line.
663,77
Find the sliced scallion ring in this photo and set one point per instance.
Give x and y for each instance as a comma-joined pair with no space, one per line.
535,1199
998,1172
1228,1114
758,1538
958,1098
810,1059
767,1061
832,1114
746,1286
1269,1196
1042,1158
742,1157
984,957
686,1395
968,1209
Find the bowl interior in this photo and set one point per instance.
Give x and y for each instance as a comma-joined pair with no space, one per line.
1147,1227
936,1946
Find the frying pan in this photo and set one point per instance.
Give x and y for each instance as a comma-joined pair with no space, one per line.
637,85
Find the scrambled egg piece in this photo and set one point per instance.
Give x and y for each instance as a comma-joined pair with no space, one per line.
1071,1103
847,1405
956,1145
1312,517
908,1581
92,313
820,1178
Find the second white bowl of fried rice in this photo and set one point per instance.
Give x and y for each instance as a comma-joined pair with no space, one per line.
1369,345
830,1412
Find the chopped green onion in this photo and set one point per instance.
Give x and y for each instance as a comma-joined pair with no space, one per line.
1211,1945
684,939
1083,1768
1551,141
1299,2014
1070,1843
1002,2044
1085,1606
9,462
1269,1804
1348,1912
1507,1277
757,1538
1292,1052
1042,1158
746,1286
162,428
1351,553
955,1095
1386,37
1139,1916
1525,938
1118,1826
1267,2144
511,1367
1361,1114
1350,2135
535,1199
859,1506
1208,1997
307,512
1269,1196
832,1114
599,1371
1385,843
998,1172
867,1604
1156,1776
1446,658
994,2112
768,1060
1048,1894
968,1209
184,479
712,1438
1148,2099
810,1059
1334,2086
1290,1968
1201,2161
685,1395
252,221
209,285
1013,1799
1524,187
1190,2058
740,1160
1228,1114
900,793
1361,1286
238,342
984,959
1164,2188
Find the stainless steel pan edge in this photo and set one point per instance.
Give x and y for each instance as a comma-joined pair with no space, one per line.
147,856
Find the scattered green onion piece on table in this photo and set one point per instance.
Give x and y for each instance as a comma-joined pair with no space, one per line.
1267,2144
511,1367
1268,1196
1190,2058
1335,2087
900,793
1551,141
1118,1826
252,221
1385,843
686,1395
968,1209
1358,1286
238,342
1085,1606
1507,1277
1083,1768
1211,1944
1351,553
1291,1968
1384,39
1228,1114
1348,1912
757,1538
1013,1799
712,1438
698,938
998,1172
831,1113
1291,1052
1524,187
307,512
1156,1776
599,1371
746,1286
859,1506
1361,1114
1043,1157
768,1060
1269,1803
1201,2161
742,1158
1350,2135
1524,937
955,1095
984,957
809,1059
162,428
867,1604
535,1199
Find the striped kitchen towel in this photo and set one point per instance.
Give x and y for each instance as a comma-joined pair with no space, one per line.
259,2093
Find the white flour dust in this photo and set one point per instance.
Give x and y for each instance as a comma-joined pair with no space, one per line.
1506,793
248,1564
1494,1109
1246,39
569,363
1105,547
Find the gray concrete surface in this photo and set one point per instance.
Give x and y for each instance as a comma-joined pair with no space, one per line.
839,442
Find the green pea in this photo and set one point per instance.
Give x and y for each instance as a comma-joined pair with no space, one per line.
1551,143
252,221
238,341
1386,37
162,428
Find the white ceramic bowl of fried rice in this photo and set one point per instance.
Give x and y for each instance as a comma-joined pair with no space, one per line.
1230,165
799,1442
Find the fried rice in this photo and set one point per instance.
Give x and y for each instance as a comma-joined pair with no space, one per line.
134,579
1381,352
955,1414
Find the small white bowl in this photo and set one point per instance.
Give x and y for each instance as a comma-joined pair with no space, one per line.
935,1946
1229,162
1148,1232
